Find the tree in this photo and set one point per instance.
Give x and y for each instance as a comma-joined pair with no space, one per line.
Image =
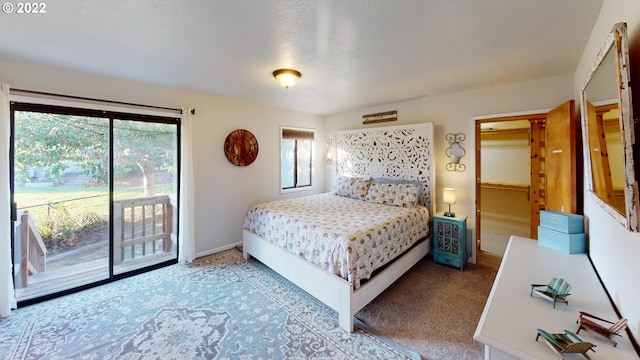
52,141
148,146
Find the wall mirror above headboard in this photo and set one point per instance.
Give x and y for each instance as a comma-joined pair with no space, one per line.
608,131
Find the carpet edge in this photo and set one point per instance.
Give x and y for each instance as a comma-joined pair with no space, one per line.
412,354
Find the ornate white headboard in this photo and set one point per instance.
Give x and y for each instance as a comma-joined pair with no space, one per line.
395,152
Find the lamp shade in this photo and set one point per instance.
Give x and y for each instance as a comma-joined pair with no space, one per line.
287,77
449,196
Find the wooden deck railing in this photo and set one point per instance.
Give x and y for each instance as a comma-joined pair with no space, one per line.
141,226
34,252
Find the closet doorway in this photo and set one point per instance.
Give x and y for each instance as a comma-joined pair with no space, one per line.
510,174
524,164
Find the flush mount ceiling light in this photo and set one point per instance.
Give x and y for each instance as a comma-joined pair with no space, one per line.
287,77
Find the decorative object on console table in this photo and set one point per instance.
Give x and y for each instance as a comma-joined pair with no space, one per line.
556,291
450,241
595,325
562,231
567,343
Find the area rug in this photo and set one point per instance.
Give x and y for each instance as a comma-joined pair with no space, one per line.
219,307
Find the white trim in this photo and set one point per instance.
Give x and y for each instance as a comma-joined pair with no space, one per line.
7,293
517,113
297,189
217,250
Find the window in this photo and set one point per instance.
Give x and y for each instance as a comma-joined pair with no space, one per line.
96,191
296,158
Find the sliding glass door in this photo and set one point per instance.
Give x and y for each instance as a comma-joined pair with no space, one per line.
95,196
61,192
144,194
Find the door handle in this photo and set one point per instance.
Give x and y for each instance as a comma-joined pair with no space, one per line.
14,211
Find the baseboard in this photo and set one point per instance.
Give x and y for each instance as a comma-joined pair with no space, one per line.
218,249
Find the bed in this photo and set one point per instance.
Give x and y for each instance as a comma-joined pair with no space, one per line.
347,246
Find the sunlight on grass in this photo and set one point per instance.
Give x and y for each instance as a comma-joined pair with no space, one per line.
77,200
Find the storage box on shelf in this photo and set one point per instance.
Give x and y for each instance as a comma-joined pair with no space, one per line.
562,231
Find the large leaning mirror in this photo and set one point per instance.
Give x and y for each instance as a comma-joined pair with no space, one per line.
607,123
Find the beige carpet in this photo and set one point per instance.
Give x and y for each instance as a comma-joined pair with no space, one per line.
494,243
433,310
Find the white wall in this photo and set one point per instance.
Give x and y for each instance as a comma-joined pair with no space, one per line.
614,251
454,114
224,192
506,161
506,158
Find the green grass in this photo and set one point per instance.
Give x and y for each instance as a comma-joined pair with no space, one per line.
77,200
64,214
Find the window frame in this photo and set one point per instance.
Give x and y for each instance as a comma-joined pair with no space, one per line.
297,188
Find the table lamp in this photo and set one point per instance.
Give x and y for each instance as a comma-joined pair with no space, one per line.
449,197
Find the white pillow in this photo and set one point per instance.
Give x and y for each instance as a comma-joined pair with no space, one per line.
405,195
351,187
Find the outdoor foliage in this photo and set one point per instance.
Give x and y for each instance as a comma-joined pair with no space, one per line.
52,142
89,220
47,144
145,146
58,228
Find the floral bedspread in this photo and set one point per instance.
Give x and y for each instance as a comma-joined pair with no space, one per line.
348,237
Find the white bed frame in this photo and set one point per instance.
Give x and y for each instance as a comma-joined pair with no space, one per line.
332,290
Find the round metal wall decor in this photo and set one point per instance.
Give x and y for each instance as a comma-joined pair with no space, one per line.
241,147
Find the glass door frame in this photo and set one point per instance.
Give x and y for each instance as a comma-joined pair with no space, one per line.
110,116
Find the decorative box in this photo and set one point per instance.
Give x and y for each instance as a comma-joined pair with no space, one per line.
561,221
561,241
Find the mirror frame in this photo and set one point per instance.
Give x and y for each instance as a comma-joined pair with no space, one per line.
616,41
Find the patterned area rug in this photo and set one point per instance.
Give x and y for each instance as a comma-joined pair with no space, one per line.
220,307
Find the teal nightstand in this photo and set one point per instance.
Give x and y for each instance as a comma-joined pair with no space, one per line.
450,240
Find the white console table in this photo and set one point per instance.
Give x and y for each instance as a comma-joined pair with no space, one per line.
508,324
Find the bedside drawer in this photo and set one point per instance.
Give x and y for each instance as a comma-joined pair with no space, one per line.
447,259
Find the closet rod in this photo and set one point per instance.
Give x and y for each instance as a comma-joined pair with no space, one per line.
31,92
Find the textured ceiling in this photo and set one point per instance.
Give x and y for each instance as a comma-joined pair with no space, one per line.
351,53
